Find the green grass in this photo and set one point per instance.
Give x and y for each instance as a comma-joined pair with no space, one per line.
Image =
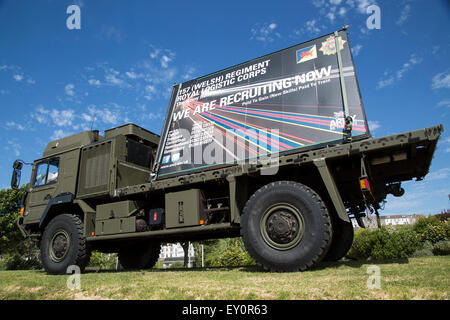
416,278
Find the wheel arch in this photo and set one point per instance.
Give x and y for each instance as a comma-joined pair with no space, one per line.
62,203
243,187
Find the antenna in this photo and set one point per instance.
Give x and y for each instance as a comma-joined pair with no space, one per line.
93,121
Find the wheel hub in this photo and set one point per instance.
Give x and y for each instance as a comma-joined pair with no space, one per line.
59,246
282,226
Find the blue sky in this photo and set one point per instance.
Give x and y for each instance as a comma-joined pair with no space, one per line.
120,67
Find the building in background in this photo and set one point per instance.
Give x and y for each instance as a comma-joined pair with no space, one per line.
392,220
398,220
174,252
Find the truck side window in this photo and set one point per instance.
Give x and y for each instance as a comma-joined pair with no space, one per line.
139,153
53,167
41,174
46,172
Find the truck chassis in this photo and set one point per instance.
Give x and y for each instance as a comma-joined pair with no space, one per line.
289,221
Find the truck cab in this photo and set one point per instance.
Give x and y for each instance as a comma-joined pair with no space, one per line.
79,172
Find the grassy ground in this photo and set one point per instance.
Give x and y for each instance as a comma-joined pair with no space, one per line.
416,278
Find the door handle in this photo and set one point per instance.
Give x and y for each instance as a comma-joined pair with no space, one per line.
47,197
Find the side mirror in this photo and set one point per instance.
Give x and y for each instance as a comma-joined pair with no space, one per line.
17,165
17,173
15,180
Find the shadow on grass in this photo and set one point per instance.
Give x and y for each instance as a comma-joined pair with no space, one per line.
258,269
251,268
355,263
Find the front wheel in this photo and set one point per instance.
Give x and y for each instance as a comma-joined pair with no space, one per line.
63,244
286,227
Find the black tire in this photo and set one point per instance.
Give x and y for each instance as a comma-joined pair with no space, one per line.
63,244
342,239
139,255
286,227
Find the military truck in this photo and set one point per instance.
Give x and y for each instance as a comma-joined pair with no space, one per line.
275,150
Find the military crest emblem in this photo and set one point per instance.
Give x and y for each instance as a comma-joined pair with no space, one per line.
329,46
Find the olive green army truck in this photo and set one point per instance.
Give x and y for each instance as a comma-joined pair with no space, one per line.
275,150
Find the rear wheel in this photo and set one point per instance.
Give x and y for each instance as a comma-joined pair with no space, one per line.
142,255
285,226
63,244
342,240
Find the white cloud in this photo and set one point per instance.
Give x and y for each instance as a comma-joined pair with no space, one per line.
359,5
15,147
164,55
435,49
41,115
312,27
18,77
441,80
444,103
443,173
330,15
189,71
62,118
356,49
413,60
69,89
404,15
264,32
79,3
374,125
445,143
109,115
133,75
386,81
150,91
59,134
390,78
165,61
156,75
154,116
155,52
363,4
318,3
342,11
87,117
158,72
17,73
94,82
111,77
110,32
409,201
14,125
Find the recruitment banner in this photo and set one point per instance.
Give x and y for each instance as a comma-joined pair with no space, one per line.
286,101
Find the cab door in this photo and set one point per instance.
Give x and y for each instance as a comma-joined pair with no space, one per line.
44,185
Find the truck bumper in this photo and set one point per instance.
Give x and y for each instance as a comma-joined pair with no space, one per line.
22,229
